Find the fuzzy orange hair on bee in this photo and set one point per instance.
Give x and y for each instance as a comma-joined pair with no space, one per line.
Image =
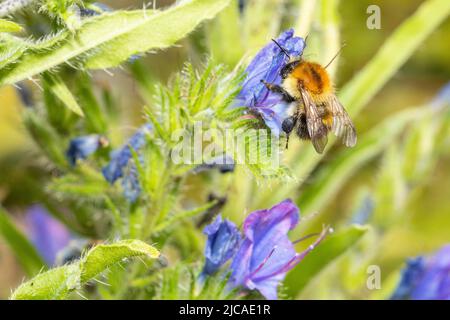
317,111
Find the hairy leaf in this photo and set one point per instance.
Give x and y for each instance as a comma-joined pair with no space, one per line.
9,26
107,40
57,283
60,90
103,256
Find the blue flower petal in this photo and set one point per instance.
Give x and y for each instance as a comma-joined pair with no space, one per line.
223,238
119,158
426,278
410,274
131,185
82,147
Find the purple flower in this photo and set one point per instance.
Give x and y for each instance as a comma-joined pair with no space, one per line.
82,147
426,278
266,65
47,234
223,239
119,158
266,254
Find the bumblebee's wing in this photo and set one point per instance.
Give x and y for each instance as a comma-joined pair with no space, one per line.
342,124
316,129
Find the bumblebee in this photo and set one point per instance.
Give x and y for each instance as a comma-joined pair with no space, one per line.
317,110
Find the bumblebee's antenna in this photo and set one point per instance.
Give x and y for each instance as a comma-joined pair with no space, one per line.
335,56
282,49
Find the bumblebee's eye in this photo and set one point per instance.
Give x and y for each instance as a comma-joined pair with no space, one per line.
288,124
287,69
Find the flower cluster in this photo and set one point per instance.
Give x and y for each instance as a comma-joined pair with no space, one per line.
426,278
120,161
120,164
264,253
120,157
266,65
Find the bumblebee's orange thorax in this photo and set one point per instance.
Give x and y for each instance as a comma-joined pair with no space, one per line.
313,77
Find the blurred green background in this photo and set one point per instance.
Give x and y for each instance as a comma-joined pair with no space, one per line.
411,214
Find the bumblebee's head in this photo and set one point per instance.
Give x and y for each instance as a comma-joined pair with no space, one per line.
293,62
288,68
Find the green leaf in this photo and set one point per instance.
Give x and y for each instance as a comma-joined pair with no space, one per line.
12,48
324,254
54,284
94,115
9,26
46,137
391,190
141,32
103,256
25,252
79,186
107,40
59,282
172,221
60,90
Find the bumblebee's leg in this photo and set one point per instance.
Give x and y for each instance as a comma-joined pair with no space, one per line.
287,126
278,89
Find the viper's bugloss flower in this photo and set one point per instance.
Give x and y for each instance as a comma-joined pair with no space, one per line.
82,147
130,184
426,278
48,235
119,158
409,277
221,245
266,65
266,254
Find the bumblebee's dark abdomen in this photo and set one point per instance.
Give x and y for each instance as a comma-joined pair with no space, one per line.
302,128
313,77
